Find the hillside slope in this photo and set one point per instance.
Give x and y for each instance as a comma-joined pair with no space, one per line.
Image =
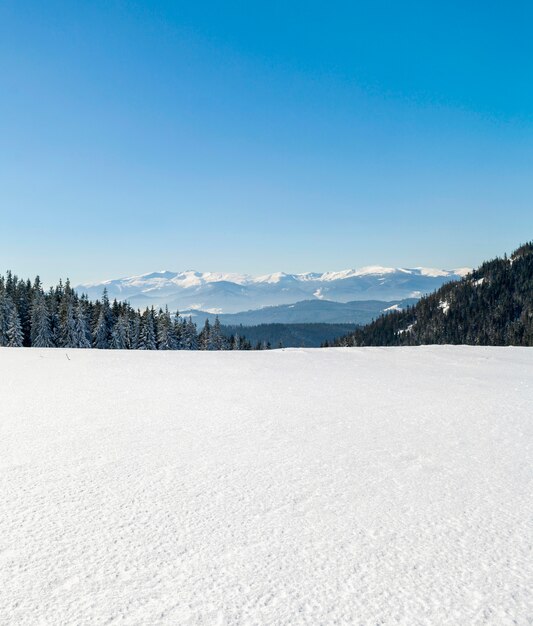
306,312
491,306
360,486
289,335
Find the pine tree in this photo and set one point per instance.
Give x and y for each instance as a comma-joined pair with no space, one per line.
15,337
189,336
41,331
217,339
82,331
134,334
119,334
102,330
4,317
204,338
166,338
147,339
69,335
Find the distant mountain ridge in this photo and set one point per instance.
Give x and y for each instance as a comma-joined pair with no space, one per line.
232,292
306,312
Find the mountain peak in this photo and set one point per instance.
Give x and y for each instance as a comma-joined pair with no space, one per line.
234,292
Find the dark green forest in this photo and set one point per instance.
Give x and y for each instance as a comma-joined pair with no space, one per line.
491,306
288,335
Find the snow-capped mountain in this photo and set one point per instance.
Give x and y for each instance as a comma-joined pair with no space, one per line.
231,293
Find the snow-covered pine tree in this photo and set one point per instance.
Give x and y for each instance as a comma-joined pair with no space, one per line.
147,339
101,332
134,330
69,335
204,338
166,339
178,328
15,337
102,329
119,334
83,332
4,317
189,335
217,339
24,309
41,331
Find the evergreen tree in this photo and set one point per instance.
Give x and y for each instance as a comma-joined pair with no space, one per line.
204,338
82,330
41,331
134,330
217,340
4,317
15,337
189,336
147,339
166,337
69,334
102,330
119,334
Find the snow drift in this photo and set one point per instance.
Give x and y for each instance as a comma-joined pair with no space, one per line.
287,487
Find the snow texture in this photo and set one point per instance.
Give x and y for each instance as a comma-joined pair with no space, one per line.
340,486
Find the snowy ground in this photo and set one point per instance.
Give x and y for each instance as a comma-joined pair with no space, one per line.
348,486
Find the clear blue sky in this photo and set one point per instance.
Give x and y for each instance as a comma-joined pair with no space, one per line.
256,137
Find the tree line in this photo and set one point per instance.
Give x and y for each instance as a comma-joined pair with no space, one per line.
492,306
61,318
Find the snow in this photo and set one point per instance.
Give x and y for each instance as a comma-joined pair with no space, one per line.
394,307
406,330
233,293
340,486
370,270
274,278
444,306
462,271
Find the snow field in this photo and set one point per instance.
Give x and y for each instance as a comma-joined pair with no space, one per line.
340,486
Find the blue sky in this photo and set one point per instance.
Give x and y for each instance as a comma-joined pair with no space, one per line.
256,137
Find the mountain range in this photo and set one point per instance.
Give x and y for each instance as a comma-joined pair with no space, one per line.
306,312
233,293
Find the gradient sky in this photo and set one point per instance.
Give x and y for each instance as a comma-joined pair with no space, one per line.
262,136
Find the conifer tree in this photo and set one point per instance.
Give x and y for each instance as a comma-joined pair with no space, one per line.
119,335
4,318
41,331
166,338
217,339
204,338
14,334
147,338
82,330
134,330
69,335
190,336
102,330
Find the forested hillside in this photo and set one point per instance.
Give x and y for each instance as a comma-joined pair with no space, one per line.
289,335
491,306
59,318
